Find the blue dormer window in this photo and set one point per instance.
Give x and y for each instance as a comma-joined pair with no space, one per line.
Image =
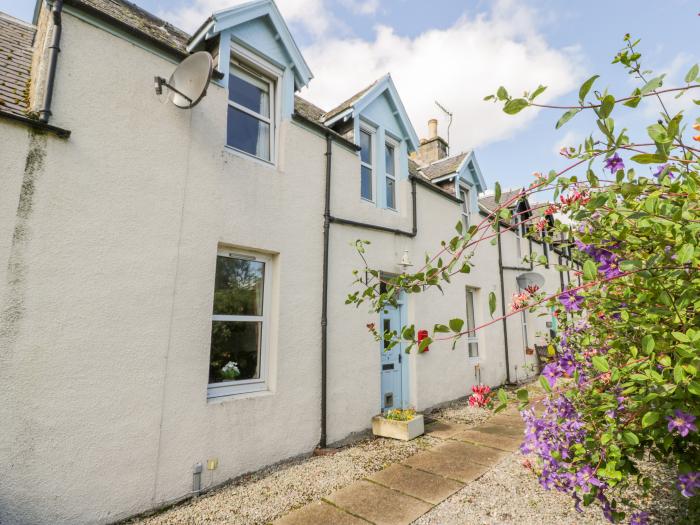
366,165
250,123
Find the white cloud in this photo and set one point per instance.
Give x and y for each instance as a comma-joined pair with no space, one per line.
457,66
363,7
312,15
675,73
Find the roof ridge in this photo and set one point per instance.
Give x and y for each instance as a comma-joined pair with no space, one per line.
451,157
347,103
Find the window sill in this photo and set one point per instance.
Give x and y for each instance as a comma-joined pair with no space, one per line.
238,396
242,154
368,201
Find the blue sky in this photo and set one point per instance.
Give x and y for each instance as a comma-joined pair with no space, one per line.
457,51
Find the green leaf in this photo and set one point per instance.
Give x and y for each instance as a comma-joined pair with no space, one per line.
649,419
685,254
600,363
440,328
649,158
692,74
502,396
522,395
545,384
566,117
694,388
586,87
502,94
680,336
630,438
653,84
515,106
497,192
590,270
628,266
659,134
537,92
456,325
492,303
647,344
424,344
606,106
678,374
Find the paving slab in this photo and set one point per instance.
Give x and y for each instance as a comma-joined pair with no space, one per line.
444,430
319,513
486,456
416,483
447,465
378,504
507,419
501,442
500,430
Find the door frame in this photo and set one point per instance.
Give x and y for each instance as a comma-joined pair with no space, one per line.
401,346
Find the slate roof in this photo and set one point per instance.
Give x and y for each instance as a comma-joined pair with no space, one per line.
488,202
16,39
139,20
307,110
443,167
343,106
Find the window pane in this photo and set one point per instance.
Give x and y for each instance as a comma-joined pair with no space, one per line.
465,201
366,183
248,134
390,159
473,350
366,147
246,90
470,313
235,351
390,193
238,288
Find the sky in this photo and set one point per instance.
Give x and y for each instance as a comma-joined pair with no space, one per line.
458,51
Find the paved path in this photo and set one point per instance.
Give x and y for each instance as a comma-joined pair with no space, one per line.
401,493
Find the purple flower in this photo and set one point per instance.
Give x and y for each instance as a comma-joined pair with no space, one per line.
551,373
681,422
688,483
661,169
614,163
585,478
639,518
571,301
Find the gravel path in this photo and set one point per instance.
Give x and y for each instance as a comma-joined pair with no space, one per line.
510,494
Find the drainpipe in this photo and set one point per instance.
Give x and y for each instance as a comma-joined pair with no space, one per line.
324,301
54,50
503,302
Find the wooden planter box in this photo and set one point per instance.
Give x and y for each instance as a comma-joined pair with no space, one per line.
403,430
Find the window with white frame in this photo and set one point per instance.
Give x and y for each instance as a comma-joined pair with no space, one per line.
466,205
250,122
390,156
239,353
366,169
472,340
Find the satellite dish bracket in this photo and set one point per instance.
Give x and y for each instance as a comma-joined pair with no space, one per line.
160,82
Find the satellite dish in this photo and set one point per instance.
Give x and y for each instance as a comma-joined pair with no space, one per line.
188,83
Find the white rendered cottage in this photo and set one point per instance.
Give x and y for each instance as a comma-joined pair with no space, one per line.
172,282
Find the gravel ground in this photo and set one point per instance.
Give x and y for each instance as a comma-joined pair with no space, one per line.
265,495
510,494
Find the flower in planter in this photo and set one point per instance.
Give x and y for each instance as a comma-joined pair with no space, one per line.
399,414
230,370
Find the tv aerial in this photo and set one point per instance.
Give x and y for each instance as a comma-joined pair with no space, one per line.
449,125
188,83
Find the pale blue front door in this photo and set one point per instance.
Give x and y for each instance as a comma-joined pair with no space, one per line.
391,362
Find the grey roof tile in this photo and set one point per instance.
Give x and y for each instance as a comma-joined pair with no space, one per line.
16,39
140,20
349,102
443,167
488,202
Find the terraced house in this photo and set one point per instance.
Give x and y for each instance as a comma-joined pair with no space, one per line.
173,281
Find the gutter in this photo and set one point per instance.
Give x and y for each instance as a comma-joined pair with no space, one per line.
504,321
54,50
37,124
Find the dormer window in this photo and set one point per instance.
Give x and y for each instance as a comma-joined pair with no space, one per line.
366,169
466,205
250,125
390,156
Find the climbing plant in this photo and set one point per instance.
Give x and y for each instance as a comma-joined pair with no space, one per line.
622,383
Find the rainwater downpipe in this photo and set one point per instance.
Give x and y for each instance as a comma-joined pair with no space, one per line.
324,302
503,302
54,50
